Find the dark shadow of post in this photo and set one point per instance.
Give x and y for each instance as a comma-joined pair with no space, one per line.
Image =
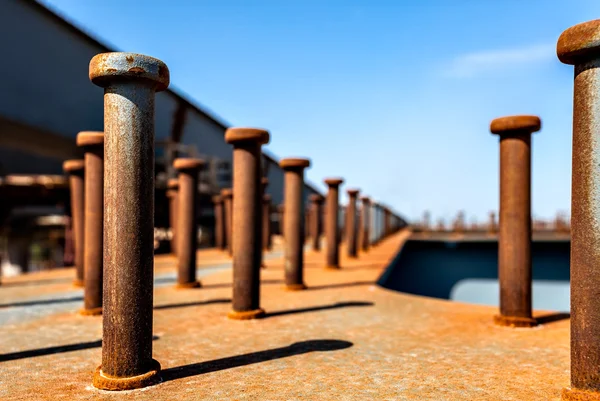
42,302
197,303
299,348
552,317
340,285
317,308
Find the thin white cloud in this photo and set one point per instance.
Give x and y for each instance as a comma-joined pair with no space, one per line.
471,64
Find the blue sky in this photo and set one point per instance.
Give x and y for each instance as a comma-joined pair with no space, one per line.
395,96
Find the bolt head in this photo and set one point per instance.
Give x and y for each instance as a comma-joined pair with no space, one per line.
185,163
118,66
579,43
90,138
293,163
333,182
241,134
71,166
511,124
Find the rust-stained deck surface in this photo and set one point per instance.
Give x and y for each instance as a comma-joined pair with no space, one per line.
344,339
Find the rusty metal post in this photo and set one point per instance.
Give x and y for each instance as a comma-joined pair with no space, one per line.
492,228
514,242
187,228
580,46
93,145
365,220
130,82
219,226
316,224
172,195
227,195
266,230
351,224
281,214
332,231
75,169
294,221
247,221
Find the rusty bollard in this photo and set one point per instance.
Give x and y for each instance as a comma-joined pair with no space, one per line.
332,231
130,82
227,195
294,221
264,183
172,195
351,226
492,227
93,145
266,230
316,225
365,222
580,46
247,207
75,169
219,225
187,229
280,216
514,241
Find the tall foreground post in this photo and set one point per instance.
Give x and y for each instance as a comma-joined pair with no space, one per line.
294,222
316,226
187,230
93,145
365,224
514,241
332,231
172,195
351,226
75,169
580,46
130,82
247,204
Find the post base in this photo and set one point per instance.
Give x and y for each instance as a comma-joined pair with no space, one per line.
330,267
91,312
514,321
573,394
193,284
246,315
127,383
295,287
78,283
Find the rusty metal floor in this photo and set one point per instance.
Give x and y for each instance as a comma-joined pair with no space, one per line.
344,339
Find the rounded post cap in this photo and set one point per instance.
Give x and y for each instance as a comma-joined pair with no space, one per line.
90,138
114,66
316,198
333,182
510,124
227,192
73,165
217,198
294,163
366,199
353,191
187,163
241,134
172,183
579,43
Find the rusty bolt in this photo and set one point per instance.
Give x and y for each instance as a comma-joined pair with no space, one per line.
172,195
130,82
219,225
580,46
294,221
93,145
365,220
227,195
316,226
332,231
75,169
187,229
514,242
351,224
247,208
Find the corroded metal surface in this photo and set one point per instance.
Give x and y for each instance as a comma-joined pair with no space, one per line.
219,222
267,242
93,145
365,224
580,46
187,229
247,221
351,224
172,192
130,82
332,231
75,169
316,225
294,221
227,194
514,242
